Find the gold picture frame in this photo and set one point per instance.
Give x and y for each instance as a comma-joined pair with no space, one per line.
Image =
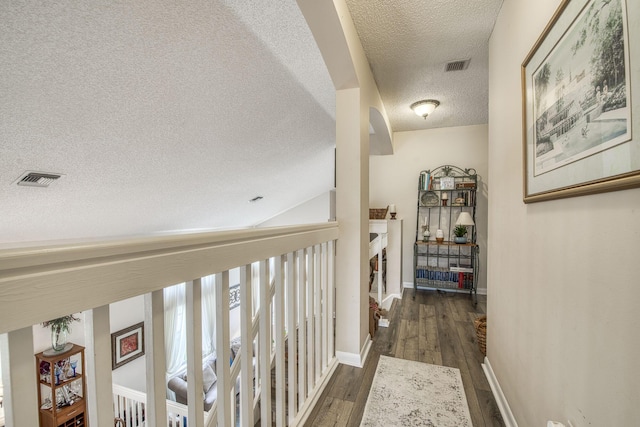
578,103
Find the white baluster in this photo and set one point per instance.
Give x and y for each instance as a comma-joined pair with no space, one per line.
265,346
223,403
156,410
292,333
97,335
280,386
302,322
18,377
317,313
246,331
310,320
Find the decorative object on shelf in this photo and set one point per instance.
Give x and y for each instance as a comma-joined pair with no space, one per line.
429,198
392,211
459,234
439,236
425,107
426,233
74,365
127,344
59,329
464,220
447,183
445,198
459,200
578,141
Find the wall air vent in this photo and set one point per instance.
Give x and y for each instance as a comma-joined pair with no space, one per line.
38,179
457,65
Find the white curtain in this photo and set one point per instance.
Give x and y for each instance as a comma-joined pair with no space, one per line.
208,316
175,332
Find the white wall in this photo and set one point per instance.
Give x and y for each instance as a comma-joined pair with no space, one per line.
562,328
394,179
318,209
123,314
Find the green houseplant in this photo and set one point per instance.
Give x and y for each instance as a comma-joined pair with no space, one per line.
59,329
459,232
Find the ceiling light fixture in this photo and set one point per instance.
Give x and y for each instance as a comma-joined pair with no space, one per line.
425,107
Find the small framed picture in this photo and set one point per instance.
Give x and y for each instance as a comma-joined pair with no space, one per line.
127,345
447,183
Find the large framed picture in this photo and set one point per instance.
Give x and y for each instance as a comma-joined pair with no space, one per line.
579,97
126,345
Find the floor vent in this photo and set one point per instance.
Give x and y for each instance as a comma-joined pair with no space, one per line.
457,65
38,179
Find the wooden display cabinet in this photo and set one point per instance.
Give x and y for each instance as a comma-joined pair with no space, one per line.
61,398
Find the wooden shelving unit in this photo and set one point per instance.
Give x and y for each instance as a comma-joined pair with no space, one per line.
61,400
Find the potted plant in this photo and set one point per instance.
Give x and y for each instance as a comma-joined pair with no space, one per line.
59,329
459,232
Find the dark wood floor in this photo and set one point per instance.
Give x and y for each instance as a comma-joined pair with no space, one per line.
435,327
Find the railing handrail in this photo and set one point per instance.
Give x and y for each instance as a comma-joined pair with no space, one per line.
137,395
53,253
45,282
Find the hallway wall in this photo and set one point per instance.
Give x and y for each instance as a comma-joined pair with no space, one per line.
563,281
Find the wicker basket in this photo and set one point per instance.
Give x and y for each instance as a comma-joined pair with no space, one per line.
481,332
378,213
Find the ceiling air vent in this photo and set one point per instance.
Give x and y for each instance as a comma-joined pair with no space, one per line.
457,65
38,179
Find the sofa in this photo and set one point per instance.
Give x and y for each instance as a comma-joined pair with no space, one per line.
178,384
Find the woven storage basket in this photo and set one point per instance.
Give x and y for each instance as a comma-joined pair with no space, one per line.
378,213
481,332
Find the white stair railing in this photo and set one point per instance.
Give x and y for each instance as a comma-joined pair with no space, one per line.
289,333
129,406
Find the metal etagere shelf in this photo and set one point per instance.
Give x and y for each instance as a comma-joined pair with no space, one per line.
446,198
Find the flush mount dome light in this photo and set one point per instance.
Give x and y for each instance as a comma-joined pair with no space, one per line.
425,107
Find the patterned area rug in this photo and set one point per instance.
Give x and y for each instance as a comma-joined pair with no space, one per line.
408,393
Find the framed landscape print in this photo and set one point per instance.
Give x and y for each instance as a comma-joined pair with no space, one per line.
127,345
579,100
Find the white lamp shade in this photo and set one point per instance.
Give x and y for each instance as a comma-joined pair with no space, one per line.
424,108
465,219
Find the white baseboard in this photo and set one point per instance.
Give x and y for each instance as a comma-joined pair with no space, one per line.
353,359
480,291
386,303
501,400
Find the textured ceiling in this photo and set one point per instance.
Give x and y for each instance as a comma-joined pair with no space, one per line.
167,116
408,43
162,116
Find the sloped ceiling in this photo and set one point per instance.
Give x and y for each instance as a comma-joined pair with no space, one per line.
161,116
